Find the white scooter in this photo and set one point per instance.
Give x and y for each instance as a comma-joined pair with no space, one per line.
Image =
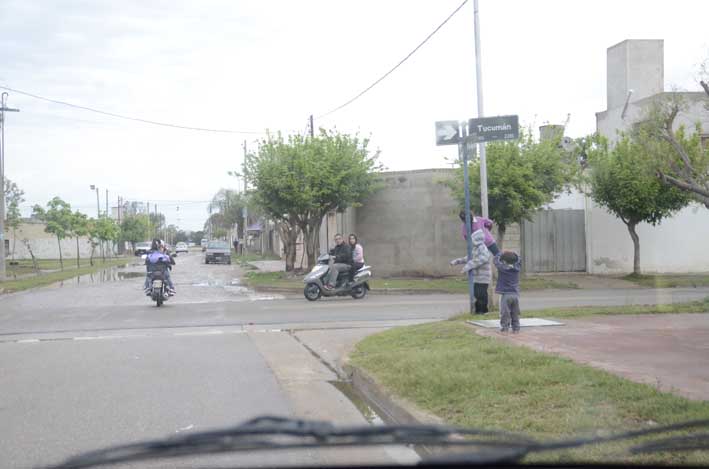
348,283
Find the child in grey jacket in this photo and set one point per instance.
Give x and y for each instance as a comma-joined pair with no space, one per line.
508,266
482,272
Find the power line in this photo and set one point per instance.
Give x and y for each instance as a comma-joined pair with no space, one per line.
395,66
136,119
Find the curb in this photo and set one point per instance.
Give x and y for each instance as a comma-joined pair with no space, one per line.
377,291
391,411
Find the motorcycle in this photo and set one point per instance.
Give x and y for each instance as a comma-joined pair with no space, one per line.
158,286
348,283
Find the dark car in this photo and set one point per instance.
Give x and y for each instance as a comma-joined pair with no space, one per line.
217,251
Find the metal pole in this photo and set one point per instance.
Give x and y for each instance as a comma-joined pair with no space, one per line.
246,209
468,226
98,205
312,127
3,108
107,210
479,82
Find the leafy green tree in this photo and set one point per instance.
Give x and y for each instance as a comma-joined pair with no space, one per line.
107,231
196,237
678,160
157,224
181,236
523,175
58,219
80,226
300,179
621,181
13,199
135,228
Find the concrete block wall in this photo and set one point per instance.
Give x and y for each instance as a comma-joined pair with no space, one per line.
411,226
44,245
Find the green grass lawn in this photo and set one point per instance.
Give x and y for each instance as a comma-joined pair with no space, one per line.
448,370
587,311
449,285
70,271
24,266
669,280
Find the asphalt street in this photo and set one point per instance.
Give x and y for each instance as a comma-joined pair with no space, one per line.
92,362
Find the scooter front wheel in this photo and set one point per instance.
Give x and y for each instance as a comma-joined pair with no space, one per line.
312,292
359,292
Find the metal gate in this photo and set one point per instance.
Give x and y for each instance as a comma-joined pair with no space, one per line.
555,241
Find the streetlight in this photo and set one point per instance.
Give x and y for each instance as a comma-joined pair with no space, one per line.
98,204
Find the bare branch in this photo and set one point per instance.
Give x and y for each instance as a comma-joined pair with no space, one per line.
701,194
705,85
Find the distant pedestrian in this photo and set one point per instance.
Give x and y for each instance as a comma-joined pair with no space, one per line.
236,245
508,266
479,223
482,271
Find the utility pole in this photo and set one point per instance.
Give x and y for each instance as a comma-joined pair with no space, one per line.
312,127
98,205
479,82
108,214
3,108
246,210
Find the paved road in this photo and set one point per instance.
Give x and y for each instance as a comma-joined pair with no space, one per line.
93,362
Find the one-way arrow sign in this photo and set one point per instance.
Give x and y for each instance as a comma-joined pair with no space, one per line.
447,132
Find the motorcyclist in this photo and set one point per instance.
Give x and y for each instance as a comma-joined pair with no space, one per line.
340,261
156,256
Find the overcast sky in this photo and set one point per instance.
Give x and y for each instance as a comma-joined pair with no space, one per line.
256,65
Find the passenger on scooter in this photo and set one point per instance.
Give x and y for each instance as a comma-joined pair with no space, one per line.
155,257
357,253
340,261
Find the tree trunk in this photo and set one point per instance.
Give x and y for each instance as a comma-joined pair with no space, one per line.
91,256
636,247
61,261
103,251
500,241
311,239
29,249
78,259
289,235
14,242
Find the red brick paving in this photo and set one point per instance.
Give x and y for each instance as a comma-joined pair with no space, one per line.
668,351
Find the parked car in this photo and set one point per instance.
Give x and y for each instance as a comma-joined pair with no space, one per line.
217,251
181,247
142,248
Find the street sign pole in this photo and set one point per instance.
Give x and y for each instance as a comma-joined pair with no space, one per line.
479,83
468,226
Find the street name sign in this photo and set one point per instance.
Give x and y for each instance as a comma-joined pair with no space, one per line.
489,129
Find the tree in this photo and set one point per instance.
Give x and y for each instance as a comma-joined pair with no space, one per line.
80,226
181,236
622,182
13,199
299,180
58,220
107,230
135,228
679,161
523,175
197,236
157,223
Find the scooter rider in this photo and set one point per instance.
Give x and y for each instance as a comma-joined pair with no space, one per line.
157,256
341,261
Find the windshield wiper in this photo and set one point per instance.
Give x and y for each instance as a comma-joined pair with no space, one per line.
277,433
